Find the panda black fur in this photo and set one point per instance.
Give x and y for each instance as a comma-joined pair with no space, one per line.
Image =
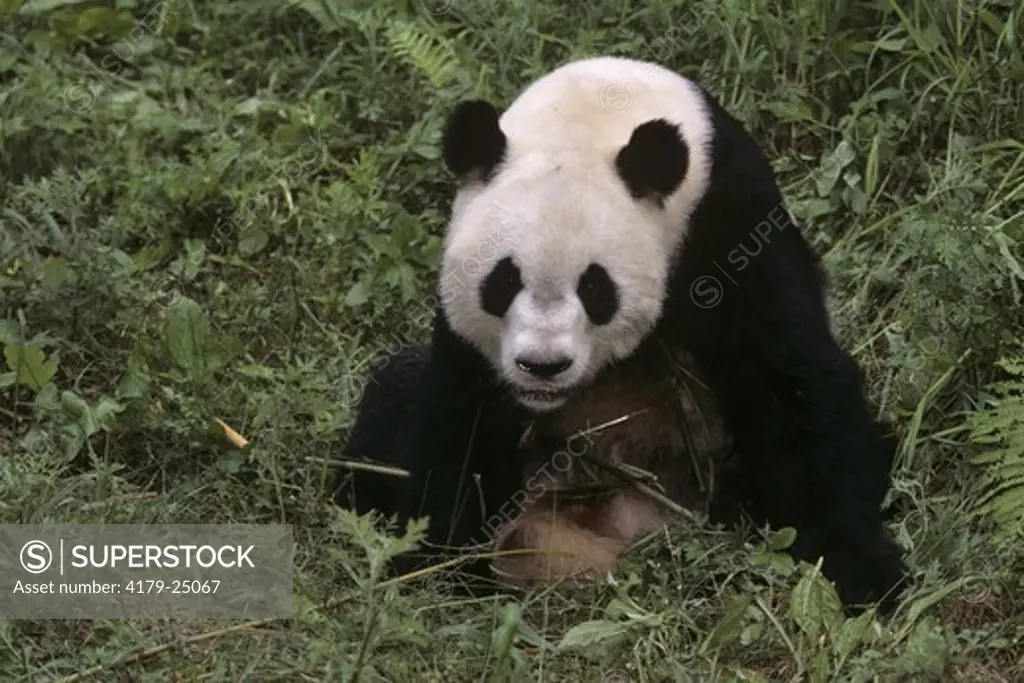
591,231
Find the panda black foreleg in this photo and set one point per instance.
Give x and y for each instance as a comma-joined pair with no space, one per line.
453,425
811,455
383,416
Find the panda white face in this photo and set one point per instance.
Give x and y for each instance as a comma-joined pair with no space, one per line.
562,234
551,289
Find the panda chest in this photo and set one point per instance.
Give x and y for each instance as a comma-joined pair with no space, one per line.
651,426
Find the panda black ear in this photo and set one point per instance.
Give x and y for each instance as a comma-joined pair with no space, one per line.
654,161
473,141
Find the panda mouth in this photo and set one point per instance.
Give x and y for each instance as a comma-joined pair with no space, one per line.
542,396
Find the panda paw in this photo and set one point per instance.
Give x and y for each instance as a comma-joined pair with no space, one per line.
867,574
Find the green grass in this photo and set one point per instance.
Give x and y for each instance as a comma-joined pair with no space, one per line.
229,209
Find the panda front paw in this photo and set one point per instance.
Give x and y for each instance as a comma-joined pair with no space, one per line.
866,573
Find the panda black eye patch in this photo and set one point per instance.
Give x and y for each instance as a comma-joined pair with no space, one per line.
500,288
598,294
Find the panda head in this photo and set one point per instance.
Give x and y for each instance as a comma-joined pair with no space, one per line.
567,218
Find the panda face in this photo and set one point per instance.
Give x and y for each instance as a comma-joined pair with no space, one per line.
566,222
551,288
551,291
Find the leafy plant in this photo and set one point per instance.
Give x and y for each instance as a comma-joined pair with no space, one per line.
1000,431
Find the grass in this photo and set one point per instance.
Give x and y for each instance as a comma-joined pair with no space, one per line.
230,209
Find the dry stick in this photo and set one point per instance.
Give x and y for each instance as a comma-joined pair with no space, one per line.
364,466
234,437
682,377
440,566
627,477
632,475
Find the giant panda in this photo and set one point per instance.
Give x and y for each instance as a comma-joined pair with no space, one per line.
623,289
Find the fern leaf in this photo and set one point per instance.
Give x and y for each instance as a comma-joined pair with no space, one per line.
431,54
1001,427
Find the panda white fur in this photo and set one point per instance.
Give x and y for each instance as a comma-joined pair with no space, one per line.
585,239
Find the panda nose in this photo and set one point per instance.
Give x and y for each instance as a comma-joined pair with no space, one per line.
544,370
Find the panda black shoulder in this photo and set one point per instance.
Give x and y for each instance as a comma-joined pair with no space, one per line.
742,235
